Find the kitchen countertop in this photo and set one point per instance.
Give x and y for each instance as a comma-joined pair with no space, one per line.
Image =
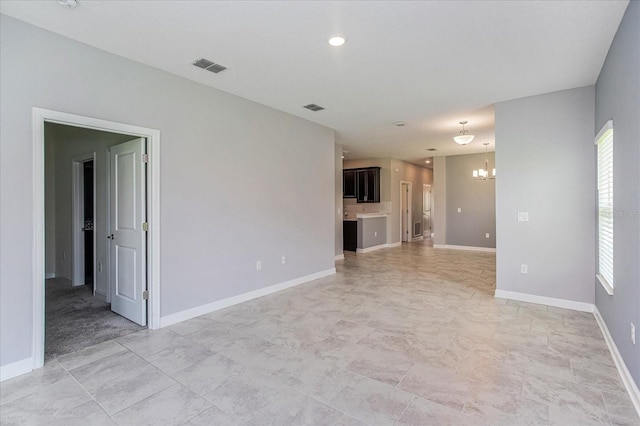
350,218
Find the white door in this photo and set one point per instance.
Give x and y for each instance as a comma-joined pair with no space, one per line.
127,240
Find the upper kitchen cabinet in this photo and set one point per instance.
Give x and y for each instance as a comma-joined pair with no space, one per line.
362,184
349,183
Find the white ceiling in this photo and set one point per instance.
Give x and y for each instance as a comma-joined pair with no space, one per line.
428,63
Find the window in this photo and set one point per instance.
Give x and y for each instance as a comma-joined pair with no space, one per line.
604,141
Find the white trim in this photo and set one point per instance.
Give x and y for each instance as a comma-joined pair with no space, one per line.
454,247
40,116
14,369
77,208
49,275
372,248
627,379
234,300
543,300
420,238
391,245
339,257
607,126
605,285
409,213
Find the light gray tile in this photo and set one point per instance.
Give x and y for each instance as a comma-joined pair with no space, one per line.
175,358
214,417
208,373
372,402
148,342
422,412
90,354
43,403
437,385
32,382
620,408
172,406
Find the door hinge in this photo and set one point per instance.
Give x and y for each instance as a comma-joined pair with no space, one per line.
145,158
145,226
145,295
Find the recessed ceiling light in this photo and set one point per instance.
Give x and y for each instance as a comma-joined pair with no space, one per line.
428,161
336,41
68,3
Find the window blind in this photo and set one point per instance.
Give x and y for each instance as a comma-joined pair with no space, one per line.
604,141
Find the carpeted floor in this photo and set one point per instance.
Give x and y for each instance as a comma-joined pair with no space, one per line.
75,319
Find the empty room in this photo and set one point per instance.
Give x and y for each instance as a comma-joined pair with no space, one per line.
320,212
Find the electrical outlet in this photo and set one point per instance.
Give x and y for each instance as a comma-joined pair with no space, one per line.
459,209
284,260
258,265
523,216
524,269
486,235
633,333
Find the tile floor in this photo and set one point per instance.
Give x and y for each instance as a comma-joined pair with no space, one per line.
404,336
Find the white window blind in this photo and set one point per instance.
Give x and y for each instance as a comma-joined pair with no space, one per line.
604,141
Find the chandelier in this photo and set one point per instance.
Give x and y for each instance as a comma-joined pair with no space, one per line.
483,174
464,138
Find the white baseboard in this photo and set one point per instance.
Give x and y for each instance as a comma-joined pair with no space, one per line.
339,257
234,300
543,300
627,379
390,245
417,238
15,369
454,247
49,275
373,248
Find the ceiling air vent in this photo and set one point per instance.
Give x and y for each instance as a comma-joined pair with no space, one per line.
431,149
313,107
209,66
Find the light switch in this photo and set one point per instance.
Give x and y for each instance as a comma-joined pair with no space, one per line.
523,216
459,209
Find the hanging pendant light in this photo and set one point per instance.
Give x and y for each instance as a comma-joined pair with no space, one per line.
483,174
464,138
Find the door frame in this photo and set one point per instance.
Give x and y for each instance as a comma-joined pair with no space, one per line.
424,187
77,202
40,116
409,212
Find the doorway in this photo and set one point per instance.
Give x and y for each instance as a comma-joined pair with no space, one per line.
426,210
151,270
83,192
405,211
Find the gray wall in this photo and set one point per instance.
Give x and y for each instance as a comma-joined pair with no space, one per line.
371,232
546,167
618,98
338,200
439,207
68,144
476,199
240,182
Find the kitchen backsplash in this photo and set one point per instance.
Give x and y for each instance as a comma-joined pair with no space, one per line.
351,207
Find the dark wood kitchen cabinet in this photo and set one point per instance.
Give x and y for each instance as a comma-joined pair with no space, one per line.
368,188
349,183
349,235
362,184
